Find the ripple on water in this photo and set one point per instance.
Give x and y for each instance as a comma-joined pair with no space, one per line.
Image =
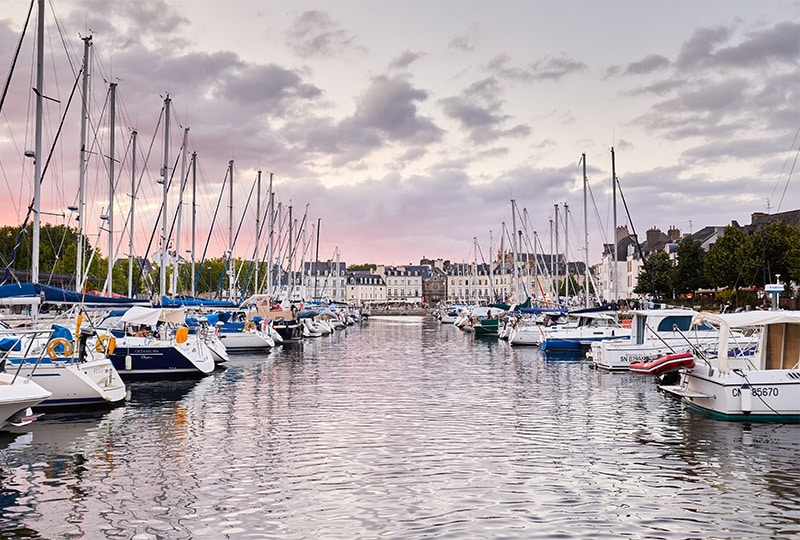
403,428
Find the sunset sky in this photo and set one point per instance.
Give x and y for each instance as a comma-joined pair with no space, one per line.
407,127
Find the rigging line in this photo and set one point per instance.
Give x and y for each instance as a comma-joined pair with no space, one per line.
636,238
16,56
136,192
788,178
158,218
210,231
783,168
41,180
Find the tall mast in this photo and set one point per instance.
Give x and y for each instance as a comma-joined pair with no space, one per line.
231,269
552,265
614,268
271,239
491,267
475,269
113,112
164,189
87,43
566,250
133,213
256,257
555,270
515,249
181,185
37,163
503,258
316,258
194,216
585,234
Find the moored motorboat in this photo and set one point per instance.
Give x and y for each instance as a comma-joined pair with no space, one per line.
742,382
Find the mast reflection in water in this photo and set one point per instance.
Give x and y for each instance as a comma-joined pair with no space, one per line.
402,428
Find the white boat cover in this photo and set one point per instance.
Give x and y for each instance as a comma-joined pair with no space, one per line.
748,318
726,321
152,316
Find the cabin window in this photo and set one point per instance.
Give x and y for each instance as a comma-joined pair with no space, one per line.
682,323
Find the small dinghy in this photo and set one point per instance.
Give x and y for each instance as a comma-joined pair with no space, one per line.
664,364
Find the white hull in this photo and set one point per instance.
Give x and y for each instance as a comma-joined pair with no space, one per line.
93,382
618,355
246,342
528,334
742,394
17,397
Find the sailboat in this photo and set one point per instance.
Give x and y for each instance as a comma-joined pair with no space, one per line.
68,379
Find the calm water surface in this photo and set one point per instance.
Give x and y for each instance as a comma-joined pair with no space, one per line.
400,428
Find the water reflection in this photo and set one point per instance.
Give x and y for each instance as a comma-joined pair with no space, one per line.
401,428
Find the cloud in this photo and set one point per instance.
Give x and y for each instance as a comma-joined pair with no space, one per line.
779,44
478,110
386,112
405,59
315,34
547,69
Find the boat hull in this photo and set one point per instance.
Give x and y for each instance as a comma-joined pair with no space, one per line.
145,357
75,384
741,395
16,396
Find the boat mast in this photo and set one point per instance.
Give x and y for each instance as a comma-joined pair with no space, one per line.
271,239
566,250
316,259
194,216
134,136
231,269
491,267
550,276
37,163
515,249
164,189
585,235
112,121
614,267
175,264
87,43
558,295
475,268
503,258
256,256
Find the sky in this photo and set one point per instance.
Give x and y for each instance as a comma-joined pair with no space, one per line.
405,129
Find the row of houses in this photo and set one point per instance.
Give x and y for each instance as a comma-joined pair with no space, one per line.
437,280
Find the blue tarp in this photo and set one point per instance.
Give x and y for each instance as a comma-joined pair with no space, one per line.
55,295
192,301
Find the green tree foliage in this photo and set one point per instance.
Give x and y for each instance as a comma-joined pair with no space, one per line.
656,275
688,274
57,255
365,267
724,262
775,250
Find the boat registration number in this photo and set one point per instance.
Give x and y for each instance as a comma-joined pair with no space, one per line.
758,391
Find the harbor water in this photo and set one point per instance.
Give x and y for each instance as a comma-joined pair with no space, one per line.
399,428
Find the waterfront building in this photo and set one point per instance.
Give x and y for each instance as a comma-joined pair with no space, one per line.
325,280
364,287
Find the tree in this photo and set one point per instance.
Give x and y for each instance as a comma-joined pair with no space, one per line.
656,275
725,261
688,274
774,250
365,267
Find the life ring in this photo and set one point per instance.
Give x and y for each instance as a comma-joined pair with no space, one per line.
105,344
181,334
55,342
249,325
